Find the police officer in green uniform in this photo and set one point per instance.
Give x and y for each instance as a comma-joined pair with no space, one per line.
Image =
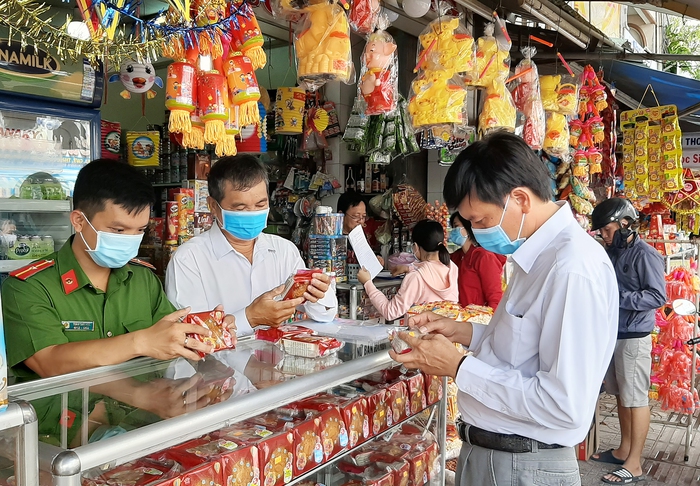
91,304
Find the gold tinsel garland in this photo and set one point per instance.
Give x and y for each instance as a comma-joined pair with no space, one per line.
27,25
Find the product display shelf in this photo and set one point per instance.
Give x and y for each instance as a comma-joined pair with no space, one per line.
18,425
323,474
35,205
356,289
67,465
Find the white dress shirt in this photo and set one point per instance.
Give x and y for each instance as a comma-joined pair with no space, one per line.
537,367
206,272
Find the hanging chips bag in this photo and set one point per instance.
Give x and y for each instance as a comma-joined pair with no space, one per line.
526,96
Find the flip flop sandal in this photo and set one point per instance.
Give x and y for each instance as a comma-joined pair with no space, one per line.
608,458
625,477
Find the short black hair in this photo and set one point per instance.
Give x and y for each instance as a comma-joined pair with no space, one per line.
242,171
466,224
492,167
347,200
429,235
104,180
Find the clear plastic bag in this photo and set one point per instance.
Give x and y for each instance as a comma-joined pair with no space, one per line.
446,44
492,57
556,140
364,16
437,98
378,83
526,96
323,49
498,111
288,10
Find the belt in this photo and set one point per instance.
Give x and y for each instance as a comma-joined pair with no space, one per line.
515,444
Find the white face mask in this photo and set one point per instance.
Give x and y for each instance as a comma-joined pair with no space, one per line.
112,250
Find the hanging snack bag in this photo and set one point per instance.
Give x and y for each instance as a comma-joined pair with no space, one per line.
364,15
378,83
447,45
220,338
498,111
322,45
526,96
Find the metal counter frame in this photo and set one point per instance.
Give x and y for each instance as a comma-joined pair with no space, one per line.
21,415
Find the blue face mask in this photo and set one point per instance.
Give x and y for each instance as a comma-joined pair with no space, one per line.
457,237
244,225
496,240
112,250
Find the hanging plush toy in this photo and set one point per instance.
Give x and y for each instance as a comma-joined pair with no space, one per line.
137,78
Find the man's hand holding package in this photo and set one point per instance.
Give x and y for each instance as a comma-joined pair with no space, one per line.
167,338
431,323
266,311
320,283
433,354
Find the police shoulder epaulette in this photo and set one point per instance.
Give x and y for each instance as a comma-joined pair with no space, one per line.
136,261
32,269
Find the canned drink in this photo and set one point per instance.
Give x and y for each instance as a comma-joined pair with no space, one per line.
172,222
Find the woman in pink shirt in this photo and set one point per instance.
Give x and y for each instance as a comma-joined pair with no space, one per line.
433,279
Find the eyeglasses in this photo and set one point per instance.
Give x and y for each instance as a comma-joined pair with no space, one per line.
358,218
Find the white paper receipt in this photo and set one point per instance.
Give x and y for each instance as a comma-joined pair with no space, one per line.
365,256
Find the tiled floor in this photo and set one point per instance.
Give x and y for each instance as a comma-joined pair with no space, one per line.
663,453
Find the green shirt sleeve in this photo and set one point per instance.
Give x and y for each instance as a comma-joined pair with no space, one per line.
30,321
160,304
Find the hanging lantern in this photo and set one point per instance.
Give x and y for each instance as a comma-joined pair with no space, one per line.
228,146
243,84
181,96
213,100
289,111
195,137
209,12
248,37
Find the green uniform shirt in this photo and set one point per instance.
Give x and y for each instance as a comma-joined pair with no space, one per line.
59,305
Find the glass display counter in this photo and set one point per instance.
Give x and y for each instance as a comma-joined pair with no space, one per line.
96,420
353,302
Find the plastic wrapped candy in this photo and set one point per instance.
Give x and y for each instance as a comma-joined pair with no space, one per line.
526,96
378,79
437,98
556,141
492,57
446,44
322,44
364,15
498,111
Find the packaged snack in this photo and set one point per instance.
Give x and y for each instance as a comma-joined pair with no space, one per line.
416,394
526,96
378,411
399,345
196,452
378,83
308,446
307,346
141,472
433,389
207,473
220,338
296,284
397,399
240,467
276,334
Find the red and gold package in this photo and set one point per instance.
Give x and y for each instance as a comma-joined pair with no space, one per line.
220,338
370,473
141,472
418,461
416,393
310,346
240,467
378,411
172,222
297,284
397,399
334,430
401,470
433,389
275,450
276,334
356,416
433,452
196,452
208,473
308,449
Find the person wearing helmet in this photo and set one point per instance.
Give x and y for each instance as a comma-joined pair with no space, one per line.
640,278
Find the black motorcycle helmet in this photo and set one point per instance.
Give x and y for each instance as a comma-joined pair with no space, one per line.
612,210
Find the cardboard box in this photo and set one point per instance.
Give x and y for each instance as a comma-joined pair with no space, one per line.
592,441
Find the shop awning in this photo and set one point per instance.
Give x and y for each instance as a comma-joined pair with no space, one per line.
632,79
687,8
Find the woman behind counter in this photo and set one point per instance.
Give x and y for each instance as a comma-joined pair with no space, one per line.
480,271
433,279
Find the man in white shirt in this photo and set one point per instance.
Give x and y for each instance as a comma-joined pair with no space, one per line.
239,266
529,391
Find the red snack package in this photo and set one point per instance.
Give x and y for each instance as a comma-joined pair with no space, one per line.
310,346
416,393
297,284
221,338
196,452
240,467
209,473
433,389
275,334
378,411
397,399
336,416
433,451
141,472
308,449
